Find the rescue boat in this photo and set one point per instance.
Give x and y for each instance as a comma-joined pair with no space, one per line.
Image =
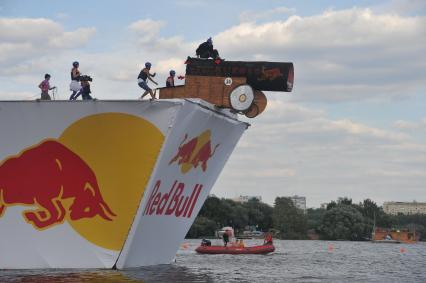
263,249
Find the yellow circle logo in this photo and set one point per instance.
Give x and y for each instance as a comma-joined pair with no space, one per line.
121,150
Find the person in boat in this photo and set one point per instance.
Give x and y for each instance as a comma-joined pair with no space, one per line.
241,243
225,237
45,87
143,78
205,50
268,239
170,82
75,85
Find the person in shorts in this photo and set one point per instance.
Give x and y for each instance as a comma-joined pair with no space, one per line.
143,78
45,87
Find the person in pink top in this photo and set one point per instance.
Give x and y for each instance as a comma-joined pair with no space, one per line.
45,87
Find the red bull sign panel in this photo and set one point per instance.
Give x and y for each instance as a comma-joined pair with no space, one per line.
98,179
192,159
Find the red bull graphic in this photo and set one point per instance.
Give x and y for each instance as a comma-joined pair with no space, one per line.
47,177
194,152
173,202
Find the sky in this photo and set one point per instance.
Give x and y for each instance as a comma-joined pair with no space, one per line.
354,125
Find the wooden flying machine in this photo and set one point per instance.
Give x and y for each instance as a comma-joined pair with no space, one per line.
237,85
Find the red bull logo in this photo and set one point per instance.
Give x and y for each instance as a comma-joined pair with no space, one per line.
195,152
47,177
174,202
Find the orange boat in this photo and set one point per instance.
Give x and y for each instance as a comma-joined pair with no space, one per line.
381,235
263,249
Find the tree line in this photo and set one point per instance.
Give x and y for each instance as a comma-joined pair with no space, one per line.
340,220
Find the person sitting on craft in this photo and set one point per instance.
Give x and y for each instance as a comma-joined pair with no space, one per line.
170,82
205,50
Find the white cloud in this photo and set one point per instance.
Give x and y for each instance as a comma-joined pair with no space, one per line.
353,54
252,16
330,158
409,125
24,41
147,28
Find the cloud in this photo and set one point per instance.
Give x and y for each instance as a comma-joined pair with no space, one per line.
23,41
146,28
345,55
408,125
252,16
339,56
298,149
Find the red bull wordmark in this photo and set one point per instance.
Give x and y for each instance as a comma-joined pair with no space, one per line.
174,202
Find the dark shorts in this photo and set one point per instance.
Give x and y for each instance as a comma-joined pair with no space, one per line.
144,86
45,96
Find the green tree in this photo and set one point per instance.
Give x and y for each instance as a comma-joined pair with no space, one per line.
314,218
202,227
343,222
289,220
369,209
259,214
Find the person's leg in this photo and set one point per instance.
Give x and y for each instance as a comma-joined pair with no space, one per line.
86,96
152,94
147,89
144,94
205,55
72,95
215,54
77,94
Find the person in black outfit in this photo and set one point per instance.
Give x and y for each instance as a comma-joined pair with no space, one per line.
205,50
225,238
85,90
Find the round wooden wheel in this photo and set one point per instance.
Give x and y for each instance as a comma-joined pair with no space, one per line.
253,111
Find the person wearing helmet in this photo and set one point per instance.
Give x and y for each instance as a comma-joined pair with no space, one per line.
170,82
145,75
205,50
75,86
45,87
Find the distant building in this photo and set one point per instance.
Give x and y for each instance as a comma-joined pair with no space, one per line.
243,199
324,205
406,208
299,202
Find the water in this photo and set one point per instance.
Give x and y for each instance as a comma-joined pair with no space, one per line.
293,261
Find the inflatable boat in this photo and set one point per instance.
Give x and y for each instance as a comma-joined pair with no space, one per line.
263,249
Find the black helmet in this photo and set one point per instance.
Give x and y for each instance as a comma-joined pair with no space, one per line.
172,72
75,64
148,65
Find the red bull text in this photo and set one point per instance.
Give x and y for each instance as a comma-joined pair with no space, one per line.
43,177
174,202
194,152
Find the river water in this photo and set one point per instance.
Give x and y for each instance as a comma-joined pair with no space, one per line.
293,261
